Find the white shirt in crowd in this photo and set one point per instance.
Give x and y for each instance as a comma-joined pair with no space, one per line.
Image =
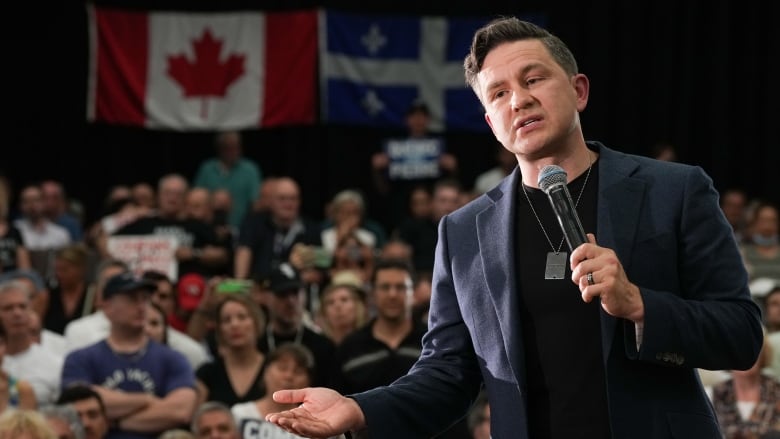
39,367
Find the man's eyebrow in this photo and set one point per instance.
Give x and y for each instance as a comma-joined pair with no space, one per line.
524,71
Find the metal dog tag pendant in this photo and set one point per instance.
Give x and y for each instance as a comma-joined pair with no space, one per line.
556,265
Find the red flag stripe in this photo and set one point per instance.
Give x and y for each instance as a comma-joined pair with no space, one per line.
290,68
122,62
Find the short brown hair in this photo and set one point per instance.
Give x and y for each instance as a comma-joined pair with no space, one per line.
506,30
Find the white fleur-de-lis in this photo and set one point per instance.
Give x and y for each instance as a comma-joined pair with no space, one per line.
374,39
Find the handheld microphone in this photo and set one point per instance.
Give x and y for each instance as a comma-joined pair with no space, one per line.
552,181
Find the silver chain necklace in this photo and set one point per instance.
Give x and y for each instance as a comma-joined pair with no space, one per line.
556,260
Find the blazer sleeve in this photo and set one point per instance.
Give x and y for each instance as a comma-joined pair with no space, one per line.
710,321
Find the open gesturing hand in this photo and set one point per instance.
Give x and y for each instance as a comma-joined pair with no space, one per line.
322,412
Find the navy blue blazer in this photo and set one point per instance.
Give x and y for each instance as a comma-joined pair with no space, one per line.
663,221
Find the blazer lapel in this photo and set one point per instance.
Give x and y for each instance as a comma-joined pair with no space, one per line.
619,205
496,235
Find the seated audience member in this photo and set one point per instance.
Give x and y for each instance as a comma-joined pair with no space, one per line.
24,424
733,203
94,327
422,233
762,248
347,215
342,308
63,420
14,255
39,234
747,404
190,290
386,347
68,299
265,240
156,325
89,407
39,297
166,299
14,393
24,358
289,366
286,323
353,255
213,419
396,249
147,387
233,376
58,208
144,195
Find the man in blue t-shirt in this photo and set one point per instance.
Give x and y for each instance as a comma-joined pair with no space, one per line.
147,387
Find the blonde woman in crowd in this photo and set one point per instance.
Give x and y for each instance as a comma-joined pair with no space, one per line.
235,373
24,424
342,309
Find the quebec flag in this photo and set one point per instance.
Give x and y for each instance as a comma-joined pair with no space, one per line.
373,67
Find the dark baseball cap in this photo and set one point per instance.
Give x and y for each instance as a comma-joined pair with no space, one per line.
125,283
285,279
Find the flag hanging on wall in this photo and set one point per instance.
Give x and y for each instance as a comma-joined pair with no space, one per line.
202,71
373,67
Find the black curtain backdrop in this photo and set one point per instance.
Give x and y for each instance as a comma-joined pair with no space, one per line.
699,75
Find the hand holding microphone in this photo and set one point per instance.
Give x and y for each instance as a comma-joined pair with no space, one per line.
597,270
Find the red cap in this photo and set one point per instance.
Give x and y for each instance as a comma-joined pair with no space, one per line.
190,290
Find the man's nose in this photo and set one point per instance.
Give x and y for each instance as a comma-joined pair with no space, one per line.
520,99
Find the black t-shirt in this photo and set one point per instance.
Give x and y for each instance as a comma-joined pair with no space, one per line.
214,375
363,362
561,333
55,318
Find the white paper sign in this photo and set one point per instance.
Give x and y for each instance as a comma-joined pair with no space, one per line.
146,252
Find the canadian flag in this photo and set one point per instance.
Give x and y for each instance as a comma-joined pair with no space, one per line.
202,71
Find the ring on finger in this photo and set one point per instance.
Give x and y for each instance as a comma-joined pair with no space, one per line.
590,279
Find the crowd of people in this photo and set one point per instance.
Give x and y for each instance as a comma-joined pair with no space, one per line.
253,297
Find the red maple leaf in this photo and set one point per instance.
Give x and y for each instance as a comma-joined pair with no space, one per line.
207,76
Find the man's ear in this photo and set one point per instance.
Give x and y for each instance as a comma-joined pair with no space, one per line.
581,85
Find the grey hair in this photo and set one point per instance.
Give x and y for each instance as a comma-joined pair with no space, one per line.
349,195
208,407
16,285
66,413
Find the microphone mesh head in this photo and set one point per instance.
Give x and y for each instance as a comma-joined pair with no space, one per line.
551,175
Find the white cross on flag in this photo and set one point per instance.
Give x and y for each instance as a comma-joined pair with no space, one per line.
372,67
202,71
